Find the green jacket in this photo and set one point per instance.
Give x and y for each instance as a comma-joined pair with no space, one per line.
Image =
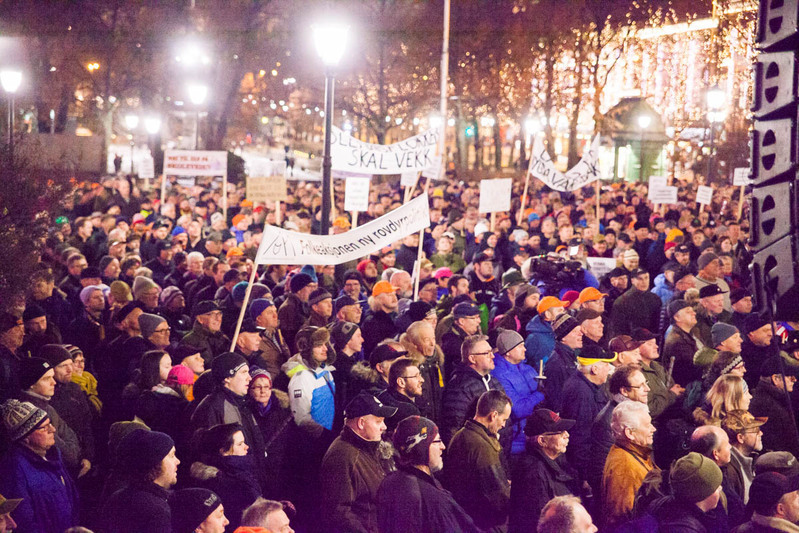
452,261
660,397
209,344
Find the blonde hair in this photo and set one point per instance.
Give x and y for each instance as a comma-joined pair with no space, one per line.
726,395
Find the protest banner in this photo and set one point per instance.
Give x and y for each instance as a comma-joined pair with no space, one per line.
283,247
198,163
261,189
356,194
599,266
415,153
704,195
584,172
495,195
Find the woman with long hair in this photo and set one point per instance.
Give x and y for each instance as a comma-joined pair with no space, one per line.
728,393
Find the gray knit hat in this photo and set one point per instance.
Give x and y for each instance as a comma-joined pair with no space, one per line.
20,419
148,323
507,340
720,332
141,284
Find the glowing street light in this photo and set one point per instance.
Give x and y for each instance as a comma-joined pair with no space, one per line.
330,40
152,125
197,95
10,80
131,121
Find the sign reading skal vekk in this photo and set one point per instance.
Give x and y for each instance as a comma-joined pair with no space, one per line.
495,195
195,163
261,189
412,154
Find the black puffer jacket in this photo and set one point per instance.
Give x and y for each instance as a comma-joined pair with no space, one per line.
460,398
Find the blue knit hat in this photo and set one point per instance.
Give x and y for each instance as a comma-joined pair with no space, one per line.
259,306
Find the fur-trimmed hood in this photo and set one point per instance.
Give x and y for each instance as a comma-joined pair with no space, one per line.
363,371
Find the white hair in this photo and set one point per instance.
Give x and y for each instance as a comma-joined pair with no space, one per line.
627,415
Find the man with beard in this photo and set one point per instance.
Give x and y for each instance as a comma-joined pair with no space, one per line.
412,487
379,322
404,386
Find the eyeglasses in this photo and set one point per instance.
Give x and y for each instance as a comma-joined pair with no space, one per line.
482,353
418,374
438,441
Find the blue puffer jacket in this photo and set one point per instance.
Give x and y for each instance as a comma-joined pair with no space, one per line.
663,289
49,499
521,386
540,341
311,395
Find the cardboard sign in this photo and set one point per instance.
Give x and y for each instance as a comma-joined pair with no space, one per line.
146,168
261,189
283,247
412,154
740,177
584,172
356,194
434,171
657,182
600,266
663,195
408,179
195,163
704,195
495,195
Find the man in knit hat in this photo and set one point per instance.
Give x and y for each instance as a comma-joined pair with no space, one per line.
173,309
37,384
321,304
146,291
696,486
520,382
226,405
32,470
347,340
562,364
769,400
412,486
352,469
206,334
758,345
713,443
197,509
38,330
87,331
295,311
774,502
724,338
147,461
273,348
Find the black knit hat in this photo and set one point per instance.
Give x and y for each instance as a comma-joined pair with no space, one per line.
190,508
226,365
299,282
55,354
32,311
318,295
341,333
412,439
142,450
31,370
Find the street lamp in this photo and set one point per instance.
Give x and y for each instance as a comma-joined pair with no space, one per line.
715,102
132,122
197,95
10,80
330,40
152,125
643,122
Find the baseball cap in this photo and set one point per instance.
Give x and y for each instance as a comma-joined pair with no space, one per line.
343,301
570,297
589,294
366,404
594,354
546,421
443,272
642,335
782,462
682,249
675,306
464,309
623,343
205,307
710,290
548,302
383,287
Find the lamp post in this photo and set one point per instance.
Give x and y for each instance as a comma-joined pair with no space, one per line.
643,122
197,95
715,103
10,80
132,122
330,40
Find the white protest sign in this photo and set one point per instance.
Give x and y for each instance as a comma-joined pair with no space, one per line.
495,195
283,247
599,266
261,189
356,194
146,168
663,195
584,172
412,154
704,194
740,176
434,171
657,182
195,163
408,179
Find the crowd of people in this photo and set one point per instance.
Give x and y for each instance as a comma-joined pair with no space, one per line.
499,384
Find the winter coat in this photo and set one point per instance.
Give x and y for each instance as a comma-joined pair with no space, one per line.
365,378
273,352
208,344
275,421
66,440
663,289
166,411
521,385
72,405
405,407
676,516
681,347
229,477
87,333
768,400
540,341
349,478
635,309
411,500
137,508
49,497
660,396
753,356
473,472
559,368
311,395
376,327
460,398
536,479
601,440
9,373
452,261
451,343
767,524
625,469
583,401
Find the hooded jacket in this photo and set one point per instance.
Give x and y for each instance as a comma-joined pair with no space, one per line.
311,395
663,289
460,398
540,341
521,385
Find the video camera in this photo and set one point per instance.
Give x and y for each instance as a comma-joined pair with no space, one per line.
552,273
